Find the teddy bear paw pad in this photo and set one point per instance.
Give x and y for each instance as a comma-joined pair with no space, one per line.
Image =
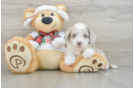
18,56
97,63
94,64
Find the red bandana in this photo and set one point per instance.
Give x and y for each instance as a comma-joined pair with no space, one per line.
52,34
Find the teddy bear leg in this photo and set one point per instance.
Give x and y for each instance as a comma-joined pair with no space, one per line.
93,64
20,56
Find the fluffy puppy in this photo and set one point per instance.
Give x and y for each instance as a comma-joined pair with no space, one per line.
79,40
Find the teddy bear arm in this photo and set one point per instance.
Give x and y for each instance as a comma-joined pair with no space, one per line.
29,37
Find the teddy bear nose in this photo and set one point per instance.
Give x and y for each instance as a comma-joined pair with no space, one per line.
47,20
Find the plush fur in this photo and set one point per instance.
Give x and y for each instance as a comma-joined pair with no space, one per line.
35,60
20,53
52,8
63,15
58,42
85,63
35,44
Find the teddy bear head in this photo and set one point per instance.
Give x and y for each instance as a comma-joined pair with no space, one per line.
46,18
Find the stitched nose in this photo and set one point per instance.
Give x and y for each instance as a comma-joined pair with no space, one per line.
47,20
79,43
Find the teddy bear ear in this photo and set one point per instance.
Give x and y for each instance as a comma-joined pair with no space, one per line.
61,7
28,13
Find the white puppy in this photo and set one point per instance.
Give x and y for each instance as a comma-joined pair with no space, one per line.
80,40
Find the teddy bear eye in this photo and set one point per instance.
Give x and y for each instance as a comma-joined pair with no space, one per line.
42,14
52,14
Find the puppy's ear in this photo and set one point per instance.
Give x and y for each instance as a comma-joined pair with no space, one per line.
92,36
68,34
28,13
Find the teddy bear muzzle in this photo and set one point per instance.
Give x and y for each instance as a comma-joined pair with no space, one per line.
47,20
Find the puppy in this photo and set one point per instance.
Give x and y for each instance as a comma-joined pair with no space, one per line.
80,40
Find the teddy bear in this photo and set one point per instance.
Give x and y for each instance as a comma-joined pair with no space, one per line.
43,48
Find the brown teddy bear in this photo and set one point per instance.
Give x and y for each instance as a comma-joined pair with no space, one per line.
43,48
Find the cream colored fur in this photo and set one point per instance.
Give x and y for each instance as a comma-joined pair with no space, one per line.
49,59
26,54
35,59
84,65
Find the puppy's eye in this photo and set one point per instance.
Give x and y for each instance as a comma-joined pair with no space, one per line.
84,35
52,14
74,35
42,14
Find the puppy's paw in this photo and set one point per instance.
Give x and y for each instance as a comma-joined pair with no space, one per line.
58,42
69,60
88,53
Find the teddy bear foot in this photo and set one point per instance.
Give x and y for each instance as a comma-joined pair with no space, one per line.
93,64
20,55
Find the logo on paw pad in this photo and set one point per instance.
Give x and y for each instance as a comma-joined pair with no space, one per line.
86,68
18,61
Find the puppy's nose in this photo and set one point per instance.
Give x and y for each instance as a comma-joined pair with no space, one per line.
79,43
47,20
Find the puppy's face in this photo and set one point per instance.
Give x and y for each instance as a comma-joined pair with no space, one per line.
80,36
